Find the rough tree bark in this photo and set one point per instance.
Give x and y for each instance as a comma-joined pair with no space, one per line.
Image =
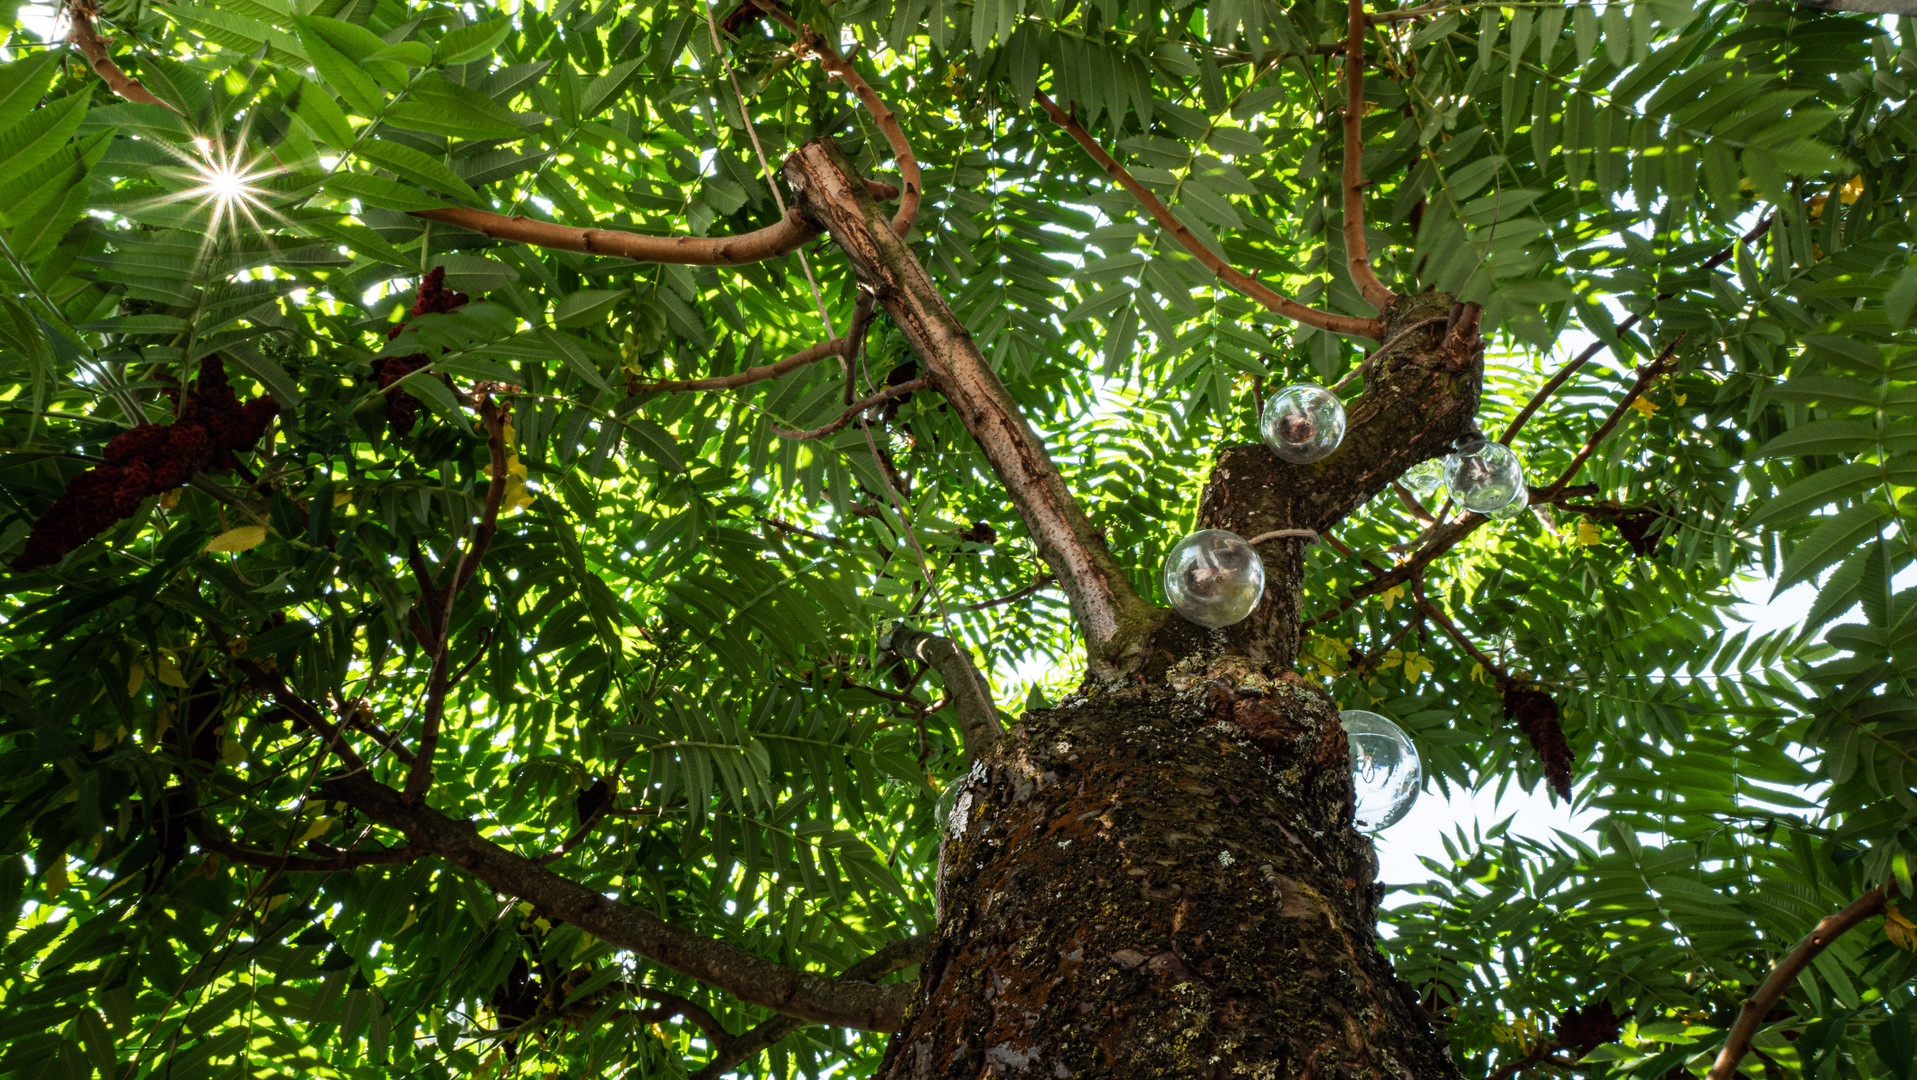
1159,877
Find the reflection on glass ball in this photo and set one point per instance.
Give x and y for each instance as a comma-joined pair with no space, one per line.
1213,577
1423,478
1303,423
1513,508
1385,770
1483,475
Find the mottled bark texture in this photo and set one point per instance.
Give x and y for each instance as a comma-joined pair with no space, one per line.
1163,883
1420,395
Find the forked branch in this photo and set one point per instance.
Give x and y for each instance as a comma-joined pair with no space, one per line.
971,695
839,66
762,373
1357,254
1758,1005
852,411
1349,325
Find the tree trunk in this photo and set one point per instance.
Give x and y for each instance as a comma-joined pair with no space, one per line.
1163,882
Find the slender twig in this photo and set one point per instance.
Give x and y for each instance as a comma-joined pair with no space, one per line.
1348,325
1758,1005
1357,253
86,37
1646,375
853,410
1419,12
1040,582
386,739
672,1005
419,774
762,373
837,65
210,839
305,711
1436,614
1564,373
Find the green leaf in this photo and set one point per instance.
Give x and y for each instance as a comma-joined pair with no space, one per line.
32,141
1833,538
378,191
410,164
472,42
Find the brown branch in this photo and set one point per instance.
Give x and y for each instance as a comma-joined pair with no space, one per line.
419,774
1039,582
1411,503
210,840
386,739
767,243
1538,1056
893,957
1645,376
837,65
811,996
762,373
1114,618
853,410
673,1005
1564,373
85,36
1357,254
1758,1005
1436,614
794,530
1348,325
305,711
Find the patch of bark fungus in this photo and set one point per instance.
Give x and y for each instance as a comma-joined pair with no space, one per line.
1164,883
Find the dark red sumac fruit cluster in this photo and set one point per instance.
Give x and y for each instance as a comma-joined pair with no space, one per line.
148,460
402,408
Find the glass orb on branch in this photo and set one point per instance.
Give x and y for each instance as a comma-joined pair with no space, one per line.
1483,475
1213,577
1303,423
1386,774
1515,508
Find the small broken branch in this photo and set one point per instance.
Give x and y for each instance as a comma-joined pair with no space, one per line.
970,694
1347,325
853,410
86,37
808,995
1758,1005
1357,253
1039,582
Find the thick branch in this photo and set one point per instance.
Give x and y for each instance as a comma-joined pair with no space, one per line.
1758,1005
1357,253
853,410
1112,616
809,996
895,956
971,695
767,243
1230,275
86,37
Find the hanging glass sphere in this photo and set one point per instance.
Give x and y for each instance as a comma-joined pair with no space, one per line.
1213,577
1385,771
1483,475
1423,478
1303,423
1514,508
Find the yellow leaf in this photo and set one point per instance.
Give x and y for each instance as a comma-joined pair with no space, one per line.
1589,533
1898,927
1644,405
315,830
240,539
1391,596
1680,398
232,751
1417,664
136,677
57,878
1852,190
169,499
167,670
1477,673
341,498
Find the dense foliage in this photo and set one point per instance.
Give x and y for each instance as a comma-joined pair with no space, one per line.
673,637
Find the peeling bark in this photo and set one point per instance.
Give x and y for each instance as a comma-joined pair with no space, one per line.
1164,883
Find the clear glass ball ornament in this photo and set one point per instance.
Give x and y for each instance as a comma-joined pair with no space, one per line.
1514,508
1483,475
1423,478
1303,423
1385,770
1213,577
